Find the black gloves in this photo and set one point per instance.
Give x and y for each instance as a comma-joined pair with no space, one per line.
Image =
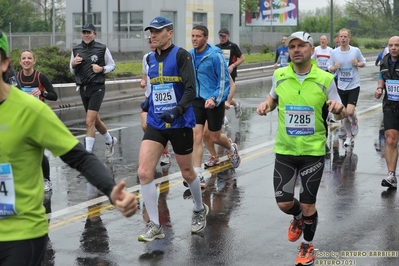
169,116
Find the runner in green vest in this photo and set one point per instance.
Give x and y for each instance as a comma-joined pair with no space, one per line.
303,95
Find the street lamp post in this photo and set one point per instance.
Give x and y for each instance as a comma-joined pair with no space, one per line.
53,39
119,25
332,23
10,46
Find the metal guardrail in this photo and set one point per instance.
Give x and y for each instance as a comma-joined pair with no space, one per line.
129,88
108,82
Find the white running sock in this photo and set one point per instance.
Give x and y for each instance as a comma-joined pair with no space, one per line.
195,189
89,144
149,192
108,138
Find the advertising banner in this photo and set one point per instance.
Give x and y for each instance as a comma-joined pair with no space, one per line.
273,13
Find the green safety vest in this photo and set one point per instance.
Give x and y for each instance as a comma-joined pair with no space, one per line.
302,111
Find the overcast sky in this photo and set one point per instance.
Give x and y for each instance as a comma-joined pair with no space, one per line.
313,4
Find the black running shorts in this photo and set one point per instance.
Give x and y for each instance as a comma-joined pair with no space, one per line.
307,169
92,96
214,116
349,96
182,139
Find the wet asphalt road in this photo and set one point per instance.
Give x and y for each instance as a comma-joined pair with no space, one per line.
244,227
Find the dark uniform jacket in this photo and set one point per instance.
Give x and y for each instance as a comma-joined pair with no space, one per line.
92,53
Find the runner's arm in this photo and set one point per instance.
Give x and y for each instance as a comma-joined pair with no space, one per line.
186,69
51,94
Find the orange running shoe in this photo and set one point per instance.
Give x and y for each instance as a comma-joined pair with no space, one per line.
306,255
295,230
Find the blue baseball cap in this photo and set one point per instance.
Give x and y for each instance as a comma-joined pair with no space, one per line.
159,23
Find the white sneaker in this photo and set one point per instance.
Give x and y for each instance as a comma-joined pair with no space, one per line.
48,186
198,222
389,181
110,147
348,141
213,161
234,157
165,159
154,231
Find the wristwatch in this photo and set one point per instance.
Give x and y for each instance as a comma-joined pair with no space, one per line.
44,93
214,100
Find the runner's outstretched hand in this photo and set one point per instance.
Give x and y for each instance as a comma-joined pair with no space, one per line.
123,200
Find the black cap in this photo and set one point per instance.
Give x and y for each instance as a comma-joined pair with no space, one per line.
88,27
224,31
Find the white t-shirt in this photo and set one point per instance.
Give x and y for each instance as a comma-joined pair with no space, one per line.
348,74
322,56
145,71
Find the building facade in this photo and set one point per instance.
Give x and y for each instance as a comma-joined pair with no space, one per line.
120,23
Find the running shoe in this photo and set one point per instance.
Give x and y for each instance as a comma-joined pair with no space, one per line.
198,222
110,147
355,128
202,183
154,231
234,157
295,229
165,159
48,186
238,110
306,255
213,161
389,181
349,141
